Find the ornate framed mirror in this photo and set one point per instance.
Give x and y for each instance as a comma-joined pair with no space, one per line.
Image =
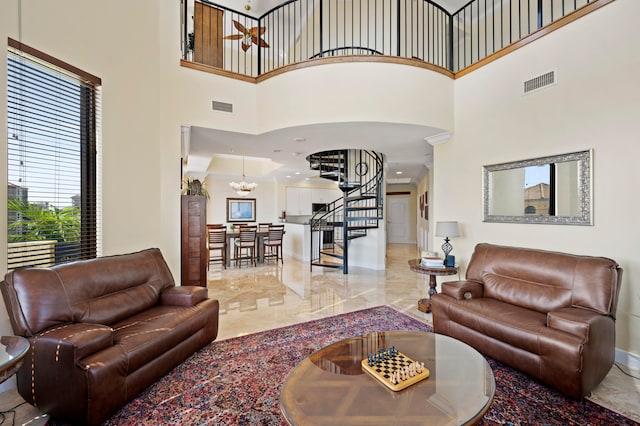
552,190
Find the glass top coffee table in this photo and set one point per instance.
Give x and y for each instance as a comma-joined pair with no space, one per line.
13,349
329,387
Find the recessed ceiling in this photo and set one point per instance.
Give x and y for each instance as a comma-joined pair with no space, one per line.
285,150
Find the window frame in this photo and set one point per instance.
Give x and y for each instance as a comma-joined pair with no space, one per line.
88,108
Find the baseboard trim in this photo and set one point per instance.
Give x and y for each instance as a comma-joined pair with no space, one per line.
628,359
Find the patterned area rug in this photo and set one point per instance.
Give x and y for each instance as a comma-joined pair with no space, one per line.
237,381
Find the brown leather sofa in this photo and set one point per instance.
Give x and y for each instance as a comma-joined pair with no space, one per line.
103,330
550,315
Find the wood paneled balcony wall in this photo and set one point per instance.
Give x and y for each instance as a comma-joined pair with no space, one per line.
421,33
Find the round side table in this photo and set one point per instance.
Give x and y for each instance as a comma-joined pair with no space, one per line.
13,349
424,305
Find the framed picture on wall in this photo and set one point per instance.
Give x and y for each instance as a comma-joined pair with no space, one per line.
426,205
241,209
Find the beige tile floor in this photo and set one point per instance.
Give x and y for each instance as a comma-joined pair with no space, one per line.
268,296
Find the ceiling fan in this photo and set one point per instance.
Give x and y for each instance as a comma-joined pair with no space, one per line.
250,35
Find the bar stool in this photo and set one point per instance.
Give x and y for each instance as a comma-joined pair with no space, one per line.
264,227
217,241
273,243
246,242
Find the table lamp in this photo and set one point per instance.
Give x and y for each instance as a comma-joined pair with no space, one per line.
447,230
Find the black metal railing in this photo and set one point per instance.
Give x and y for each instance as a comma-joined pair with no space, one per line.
359,175
300,30
483,27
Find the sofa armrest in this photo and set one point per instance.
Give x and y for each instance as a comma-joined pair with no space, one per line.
575,321
462,289
183,296
72,342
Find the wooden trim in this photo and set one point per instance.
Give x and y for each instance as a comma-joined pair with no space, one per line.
555,25
399,193
315,62
84,76
357,58
217,71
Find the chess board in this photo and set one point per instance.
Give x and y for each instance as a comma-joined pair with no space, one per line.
382,371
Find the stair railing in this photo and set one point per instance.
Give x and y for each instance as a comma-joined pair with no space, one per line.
359,175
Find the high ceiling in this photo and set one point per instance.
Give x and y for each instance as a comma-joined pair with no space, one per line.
282,153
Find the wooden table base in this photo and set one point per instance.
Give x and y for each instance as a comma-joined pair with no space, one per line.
424,305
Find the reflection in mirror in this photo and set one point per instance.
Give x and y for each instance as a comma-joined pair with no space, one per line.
553,190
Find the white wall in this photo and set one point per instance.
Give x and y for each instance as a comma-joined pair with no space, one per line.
594,105
381,92
219,190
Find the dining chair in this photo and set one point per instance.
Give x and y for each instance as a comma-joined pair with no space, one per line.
273,243
217,241
245,245
264,227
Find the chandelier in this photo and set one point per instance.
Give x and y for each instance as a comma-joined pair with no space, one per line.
243,188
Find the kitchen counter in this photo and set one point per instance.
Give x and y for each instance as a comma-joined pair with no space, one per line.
297,240
299,220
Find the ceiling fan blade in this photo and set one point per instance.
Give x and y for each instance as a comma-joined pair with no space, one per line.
255,31
245,46
239,26
234,37
263,43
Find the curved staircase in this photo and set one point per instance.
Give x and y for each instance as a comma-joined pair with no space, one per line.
359,175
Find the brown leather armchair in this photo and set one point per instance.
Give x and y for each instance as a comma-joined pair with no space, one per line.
103,330
550,315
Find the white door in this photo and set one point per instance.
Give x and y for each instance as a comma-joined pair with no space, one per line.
398,219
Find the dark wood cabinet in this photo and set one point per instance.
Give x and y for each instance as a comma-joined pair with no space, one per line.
194,240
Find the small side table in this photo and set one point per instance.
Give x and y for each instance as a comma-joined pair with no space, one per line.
13,349
424,305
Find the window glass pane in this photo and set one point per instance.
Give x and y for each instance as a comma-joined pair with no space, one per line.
51,164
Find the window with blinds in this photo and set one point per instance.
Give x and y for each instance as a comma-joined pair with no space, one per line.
52,144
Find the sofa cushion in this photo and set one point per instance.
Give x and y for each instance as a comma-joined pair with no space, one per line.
100,291
514,325
37,299
592,282
156,330
532,295
109,289
112,307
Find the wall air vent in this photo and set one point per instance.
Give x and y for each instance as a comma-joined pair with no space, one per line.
539,82
221,106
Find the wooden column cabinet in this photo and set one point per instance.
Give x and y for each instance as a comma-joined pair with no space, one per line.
194,240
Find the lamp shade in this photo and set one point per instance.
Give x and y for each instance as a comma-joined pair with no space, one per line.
447,229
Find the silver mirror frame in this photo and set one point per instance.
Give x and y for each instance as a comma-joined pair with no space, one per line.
585,168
